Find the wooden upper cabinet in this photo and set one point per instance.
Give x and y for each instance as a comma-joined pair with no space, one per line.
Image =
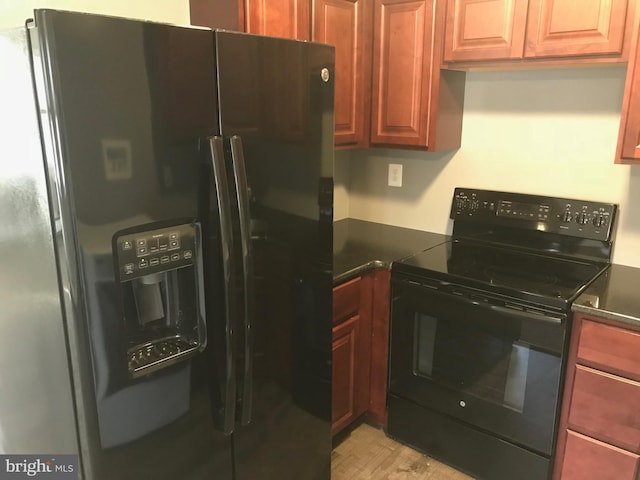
551,30
484,29
628,150
346,24
414,103
278,18
558,28
401,71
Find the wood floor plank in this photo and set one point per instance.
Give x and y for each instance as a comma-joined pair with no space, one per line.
368,454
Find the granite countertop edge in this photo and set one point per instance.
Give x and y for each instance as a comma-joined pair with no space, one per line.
607,314
354,272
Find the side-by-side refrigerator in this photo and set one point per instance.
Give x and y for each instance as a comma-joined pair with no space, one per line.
166,249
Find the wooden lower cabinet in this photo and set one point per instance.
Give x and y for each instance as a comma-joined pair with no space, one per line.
351,351
346,337
605,406
599,433
379,347
360,349
590,459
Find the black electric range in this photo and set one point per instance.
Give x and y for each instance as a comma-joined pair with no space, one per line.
480,330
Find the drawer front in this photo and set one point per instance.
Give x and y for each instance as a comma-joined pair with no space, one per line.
346,300
606,407
589,459
609,348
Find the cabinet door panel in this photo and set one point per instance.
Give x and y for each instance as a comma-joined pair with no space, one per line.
560,28
589,459
345,338
278,18
606,407
346,24
628,150
484,29
401,72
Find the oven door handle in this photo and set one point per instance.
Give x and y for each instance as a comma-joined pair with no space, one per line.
535,316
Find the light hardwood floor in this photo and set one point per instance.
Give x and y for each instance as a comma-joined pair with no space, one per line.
368,454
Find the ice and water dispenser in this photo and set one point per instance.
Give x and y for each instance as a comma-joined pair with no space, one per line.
163,296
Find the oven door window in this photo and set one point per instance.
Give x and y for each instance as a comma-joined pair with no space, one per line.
485,364
493,368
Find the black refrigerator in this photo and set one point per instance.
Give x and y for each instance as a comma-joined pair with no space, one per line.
189,189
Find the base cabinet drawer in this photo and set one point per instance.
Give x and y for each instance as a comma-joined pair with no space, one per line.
599,428
606,407
588,459
609,348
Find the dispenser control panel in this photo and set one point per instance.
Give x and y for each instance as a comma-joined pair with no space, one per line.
143,253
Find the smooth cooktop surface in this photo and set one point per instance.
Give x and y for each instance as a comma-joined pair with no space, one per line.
502,270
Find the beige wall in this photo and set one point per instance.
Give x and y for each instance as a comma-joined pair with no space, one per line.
550,132
341,184
13,13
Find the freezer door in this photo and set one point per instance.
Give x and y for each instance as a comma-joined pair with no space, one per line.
276,111
127,107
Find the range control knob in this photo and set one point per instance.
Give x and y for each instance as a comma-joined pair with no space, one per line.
567,217
461,203
582,218
599,221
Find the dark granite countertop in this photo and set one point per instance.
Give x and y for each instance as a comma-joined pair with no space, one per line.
615,295
359,245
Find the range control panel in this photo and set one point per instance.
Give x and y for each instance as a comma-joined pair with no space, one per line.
578,218
155,251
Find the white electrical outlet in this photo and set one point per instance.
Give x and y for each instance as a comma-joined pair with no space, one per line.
395,175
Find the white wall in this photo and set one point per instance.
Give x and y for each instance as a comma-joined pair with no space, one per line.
550,132
13,13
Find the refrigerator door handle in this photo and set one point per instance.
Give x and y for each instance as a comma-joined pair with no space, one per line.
216,145
242,192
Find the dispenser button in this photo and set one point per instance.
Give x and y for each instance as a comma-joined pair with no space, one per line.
173,236
164,259
127,245
187,254
128,269
153,245
173,244
163,243
141,242
154,261
143,263
175,256
142,251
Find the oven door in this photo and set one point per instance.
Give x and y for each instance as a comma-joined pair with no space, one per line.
478,360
